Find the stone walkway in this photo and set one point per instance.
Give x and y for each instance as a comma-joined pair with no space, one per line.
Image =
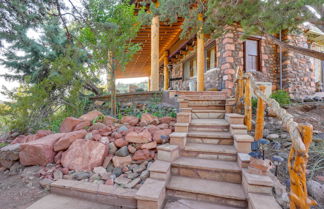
54,201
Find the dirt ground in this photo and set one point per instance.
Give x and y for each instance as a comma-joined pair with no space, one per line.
18,192
312,112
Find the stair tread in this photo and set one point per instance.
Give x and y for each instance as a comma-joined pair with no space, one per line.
214,165
208,111
207,187
228,149
207,121
190,204
205,134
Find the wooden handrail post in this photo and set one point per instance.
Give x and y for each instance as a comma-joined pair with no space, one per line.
166,70
248,105
297,170
239,91
259,122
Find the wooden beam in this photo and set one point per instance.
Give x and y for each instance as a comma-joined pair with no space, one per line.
155,54
166,70
200,59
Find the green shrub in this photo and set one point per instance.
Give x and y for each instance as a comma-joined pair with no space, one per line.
281,96
254,103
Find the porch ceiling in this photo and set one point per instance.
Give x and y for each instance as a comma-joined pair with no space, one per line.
140,65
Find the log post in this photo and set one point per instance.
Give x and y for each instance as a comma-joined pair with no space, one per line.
155,54
200,58
259,124
248,105
239,91
166,70
297,170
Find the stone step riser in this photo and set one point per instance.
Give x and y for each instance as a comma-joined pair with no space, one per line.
207,198
208,128
208,155
221,175
208,115
213,107
204,140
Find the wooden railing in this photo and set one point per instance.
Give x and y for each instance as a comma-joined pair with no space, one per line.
301,134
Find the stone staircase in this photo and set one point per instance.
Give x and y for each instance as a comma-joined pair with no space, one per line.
204,166
207,168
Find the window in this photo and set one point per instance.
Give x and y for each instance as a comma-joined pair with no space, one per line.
251,55
190,69
211,56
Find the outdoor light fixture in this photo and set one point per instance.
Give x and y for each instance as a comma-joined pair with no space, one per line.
277,161
258,148
263,143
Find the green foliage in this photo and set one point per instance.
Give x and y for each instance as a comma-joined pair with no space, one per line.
281,96
2,144
254,103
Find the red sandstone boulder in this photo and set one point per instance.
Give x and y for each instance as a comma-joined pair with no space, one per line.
150,145
19,139
120,162
90,116
147,119
163,126
120,142
57,158
142,137
152,128
142,154
166,120
69,124
65,141
84,155
32,137
131,120
98,126
82,125
39,152
157,135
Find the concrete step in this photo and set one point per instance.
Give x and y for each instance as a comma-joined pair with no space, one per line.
207,190
209,151
208,125
260,201
178,203
224,138
208,114
216,170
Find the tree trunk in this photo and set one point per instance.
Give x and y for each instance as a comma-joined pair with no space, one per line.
300,50
111,83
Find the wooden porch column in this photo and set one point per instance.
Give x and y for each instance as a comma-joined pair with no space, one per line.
200,59
155,54
166,70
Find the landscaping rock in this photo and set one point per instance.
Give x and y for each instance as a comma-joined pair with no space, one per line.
160,135
166,120
273,136
65,141
121,162
45,183
122,152
143,137
316,190
144,175
131,120
81,175
107,161
69,124
131,149
139,168
88,136
10,152
90,116
112,148
84,155
163,126
132,183
122,129
147,119
117,171
82,125
97,126
132,175
39,152
142,155
121,142
151,145
109,121
104,140
15,169
57,174
6,163
121,180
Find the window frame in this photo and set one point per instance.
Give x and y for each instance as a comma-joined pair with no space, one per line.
259,55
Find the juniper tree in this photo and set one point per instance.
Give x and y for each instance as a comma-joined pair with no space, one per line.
254,16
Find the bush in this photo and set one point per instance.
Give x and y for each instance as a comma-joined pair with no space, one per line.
281,96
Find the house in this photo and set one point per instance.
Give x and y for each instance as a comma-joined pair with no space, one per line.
202,63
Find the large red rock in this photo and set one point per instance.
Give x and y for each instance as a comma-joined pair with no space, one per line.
152,128
120,162
142,154
39,152
166,120
121,142
131,120
108,120
157,135
140,138
82,125
32,137
69,124
84,155
65,141
147,119
97,126
90,116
